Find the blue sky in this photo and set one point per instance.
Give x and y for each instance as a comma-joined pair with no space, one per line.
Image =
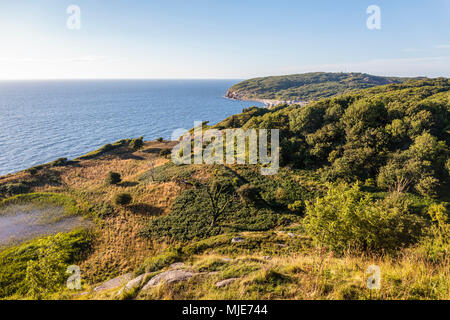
221,39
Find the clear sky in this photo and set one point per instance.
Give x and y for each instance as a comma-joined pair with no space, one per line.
221,38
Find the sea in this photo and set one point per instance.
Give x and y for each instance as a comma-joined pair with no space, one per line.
41,121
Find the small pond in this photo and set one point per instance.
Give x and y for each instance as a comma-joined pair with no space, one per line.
21,222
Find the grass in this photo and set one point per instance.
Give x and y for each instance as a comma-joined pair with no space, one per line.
312,274
44,199
270,264
14,260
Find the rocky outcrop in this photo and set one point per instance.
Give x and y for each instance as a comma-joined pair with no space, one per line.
114,283
237,239
226,282
169,277
133,284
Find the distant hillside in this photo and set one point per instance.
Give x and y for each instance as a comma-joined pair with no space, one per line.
306,87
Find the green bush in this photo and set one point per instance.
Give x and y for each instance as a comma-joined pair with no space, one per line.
346,218
104,210
436,244
165,152
113,178
122,199
12,189
160,139
60,162
33,268
297,206
137,143
247,193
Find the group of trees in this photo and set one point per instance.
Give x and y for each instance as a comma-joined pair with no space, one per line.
395,134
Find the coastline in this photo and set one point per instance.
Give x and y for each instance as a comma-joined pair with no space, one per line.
268,103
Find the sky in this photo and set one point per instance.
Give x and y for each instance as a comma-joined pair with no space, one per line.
235,39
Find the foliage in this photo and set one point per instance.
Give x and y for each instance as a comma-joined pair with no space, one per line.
113,178
71,207
437,243
137,143
46,274
346,218
308,86
395,134
165,152
122,199
193,211
20,266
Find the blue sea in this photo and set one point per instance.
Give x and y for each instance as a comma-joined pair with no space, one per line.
41,121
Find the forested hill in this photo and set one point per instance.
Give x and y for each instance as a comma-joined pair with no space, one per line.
307,86
395,134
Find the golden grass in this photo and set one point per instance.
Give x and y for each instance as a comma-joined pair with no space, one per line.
310,276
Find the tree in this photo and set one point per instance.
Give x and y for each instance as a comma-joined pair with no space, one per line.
218,200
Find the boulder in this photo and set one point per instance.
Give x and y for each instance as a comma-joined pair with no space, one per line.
134,283
169,277
237,239
177,265
225,283
114,283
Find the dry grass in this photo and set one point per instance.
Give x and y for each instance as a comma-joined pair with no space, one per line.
313,275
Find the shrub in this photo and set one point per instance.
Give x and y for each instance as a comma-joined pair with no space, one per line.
437,242
137,143
60,162
113,178
165,152
122,199
22,266
346,218
104,210
12,189
160,139
427,186
247,193
297,206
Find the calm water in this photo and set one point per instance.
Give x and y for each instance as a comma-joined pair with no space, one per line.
41,121
19,223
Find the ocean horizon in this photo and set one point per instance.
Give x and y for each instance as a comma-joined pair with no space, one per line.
43,120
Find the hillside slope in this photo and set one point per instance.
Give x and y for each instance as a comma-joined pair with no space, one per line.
364,181
305,87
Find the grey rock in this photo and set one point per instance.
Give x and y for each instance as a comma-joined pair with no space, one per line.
226,282
177,265
237,239
168,277
132,284
114,283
